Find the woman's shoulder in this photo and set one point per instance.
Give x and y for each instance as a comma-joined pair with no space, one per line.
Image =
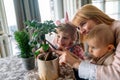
116,30
116,23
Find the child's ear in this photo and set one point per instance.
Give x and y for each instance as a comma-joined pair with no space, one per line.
111,47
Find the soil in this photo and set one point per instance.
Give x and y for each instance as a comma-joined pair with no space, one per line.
48,56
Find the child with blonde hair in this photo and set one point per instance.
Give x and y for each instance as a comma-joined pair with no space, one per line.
66,38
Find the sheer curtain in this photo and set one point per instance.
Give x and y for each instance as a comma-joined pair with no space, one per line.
5,45
26,10
3,20
71,6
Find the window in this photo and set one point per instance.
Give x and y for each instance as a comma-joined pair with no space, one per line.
9,24
51,9
45,10
110,7
10,15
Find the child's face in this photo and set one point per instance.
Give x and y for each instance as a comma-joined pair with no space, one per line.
96,49
64,39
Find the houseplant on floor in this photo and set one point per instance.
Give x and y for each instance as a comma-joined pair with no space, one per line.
48,64
22,38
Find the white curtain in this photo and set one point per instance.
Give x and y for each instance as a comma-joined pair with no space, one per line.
58,9
3,21
71,6
5,46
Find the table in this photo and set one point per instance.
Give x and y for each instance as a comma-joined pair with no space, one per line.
11,68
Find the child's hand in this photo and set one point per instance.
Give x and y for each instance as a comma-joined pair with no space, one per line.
38,51
66,57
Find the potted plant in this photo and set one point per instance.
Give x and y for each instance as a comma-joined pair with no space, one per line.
22,38
47,61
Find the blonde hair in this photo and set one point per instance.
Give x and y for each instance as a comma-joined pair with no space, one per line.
89,11
102,33
67,28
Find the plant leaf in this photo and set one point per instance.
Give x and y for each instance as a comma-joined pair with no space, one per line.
45,47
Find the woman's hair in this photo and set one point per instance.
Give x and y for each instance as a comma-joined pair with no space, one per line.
89,11
102,33
67,28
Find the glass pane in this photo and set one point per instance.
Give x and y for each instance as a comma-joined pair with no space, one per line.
10,14
114,16
110,8
99,5
97,1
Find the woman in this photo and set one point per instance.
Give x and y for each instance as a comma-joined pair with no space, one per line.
85,19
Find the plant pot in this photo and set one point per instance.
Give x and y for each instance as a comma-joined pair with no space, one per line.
48,70
29,63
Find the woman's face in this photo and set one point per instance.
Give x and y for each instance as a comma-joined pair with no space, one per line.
86,25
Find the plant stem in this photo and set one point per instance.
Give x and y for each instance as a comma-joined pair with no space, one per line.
51,45
48,56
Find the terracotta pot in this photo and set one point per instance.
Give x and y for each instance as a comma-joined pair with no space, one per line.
48,70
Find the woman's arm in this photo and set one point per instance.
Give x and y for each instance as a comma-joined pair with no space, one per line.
69,58
92,71
86,70
110,72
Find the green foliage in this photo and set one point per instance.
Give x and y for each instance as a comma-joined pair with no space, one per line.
45,48
38,31
22,38
41,28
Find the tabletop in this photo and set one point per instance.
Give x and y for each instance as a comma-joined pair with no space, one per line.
11,68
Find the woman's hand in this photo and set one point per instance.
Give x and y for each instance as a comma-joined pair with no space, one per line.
68,58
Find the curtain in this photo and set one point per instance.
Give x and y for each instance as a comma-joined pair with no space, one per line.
83,2
5,44
71,6
3,21
58,9
26,10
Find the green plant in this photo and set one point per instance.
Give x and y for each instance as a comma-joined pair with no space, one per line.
37,31
22,38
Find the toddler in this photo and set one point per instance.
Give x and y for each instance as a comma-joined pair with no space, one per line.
101,46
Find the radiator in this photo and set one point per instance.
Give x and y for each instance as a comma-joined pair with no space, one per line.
5,47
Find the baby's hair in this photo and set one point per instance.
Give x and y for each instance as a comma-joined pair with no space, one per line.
67,28
102,33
